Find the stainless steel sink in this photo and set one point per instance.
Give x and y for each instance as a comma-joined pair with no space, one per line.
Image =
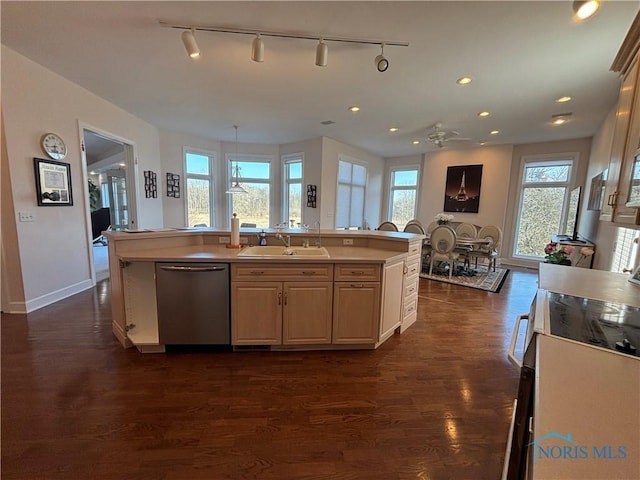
280,251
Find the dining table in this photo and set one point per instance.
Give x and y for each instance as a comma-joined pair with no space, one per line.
467,243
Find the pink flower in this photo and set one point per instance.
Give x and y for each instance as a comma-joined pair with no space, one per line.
586,251
550,248
569,249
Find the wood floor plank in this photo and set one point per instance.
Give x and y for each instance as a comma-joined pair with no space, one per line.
432,404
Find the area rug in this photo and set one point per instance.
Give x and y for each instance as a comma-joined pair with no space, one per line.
490,281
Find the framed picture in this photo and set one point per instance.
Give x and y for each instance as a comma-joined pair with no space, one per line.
462,190
173,185
596,194
635,276
53,183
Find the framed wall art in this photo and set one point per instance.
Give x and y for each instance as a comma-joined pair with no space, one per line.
150,184
311,196
173,185
53,183
462,190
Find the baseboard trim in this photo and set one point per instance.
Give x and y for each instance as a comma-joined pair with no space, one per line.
53,297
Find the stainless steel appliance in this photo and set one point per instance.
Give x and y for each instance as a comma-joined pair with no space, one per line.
193,303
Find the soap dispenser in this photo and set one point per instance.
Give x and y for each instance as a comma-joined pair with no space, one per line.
262,241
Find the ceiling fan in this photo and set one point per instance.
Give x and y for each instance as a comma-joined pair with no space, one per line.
438,136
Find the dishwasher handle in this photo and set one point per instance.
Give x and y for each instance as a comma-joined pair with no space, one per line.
514,337
182,268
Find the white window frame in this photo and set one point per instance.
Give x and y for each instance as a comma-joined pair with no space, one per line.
351,161
231,159
392,188
554,159
286,182
211,178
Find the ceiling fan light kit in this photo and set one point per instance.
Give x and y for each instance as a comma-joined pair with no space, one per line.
257,45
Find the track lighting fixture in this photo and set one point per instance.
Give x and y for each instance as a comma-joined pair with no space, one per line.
189,40
257,46
381,62
257,49
322,51
585,8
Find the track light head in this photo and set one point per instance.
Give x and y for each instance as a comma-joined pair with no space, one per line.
381,61
257,49
322,52
189,40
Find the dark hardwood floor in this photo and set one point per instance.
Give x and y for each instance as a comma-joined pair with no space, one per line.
431,404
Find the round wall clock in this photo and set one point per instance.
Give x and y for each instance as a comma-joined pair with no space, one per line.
54,146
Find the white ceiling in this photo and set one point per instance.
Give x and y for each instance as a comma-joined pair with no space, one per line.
522,55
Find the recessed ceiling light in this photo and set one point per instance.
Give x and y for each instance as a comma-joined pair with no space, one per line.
464,81
585,8
563,99
559,121
483,114
122,165
494,132
482,143
416,142
92,172
393,129
354,108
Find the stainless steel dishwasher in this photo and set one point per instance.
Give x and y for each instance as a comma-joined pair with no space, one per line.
193,303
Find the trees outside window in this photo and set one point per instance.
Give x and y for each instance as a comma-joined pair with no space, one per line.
199,187
543,204
292,182
255,178
403,194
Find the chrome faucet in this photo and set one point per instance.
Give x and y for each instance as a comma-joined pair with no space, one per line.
319,240
286,240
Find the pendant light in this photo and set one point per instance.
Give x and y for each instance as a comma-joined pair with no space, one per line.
235,172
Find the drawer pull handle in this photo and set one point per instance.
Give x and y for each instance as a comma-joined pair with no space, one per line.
357,285
357,272
309,272
257,272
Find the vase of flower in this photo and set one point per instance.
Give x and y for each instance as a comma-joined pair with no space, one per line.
558,255
443,219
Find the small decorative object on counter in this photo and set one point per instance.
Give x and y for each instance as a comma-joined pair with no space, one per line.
443,219
584,253
557,255
262,240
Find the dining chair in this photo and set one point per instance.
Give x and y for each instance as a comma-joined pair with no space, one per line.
431,226
388,226
413,228
468,230
443,245
414,220
489,251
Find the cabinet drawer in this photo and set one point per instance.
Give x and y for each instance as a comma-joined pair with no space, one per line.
413,269
410,305
300,272
411,287
414,249
364,272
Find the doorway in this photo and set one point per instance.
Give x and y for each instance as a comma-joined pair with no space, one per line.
109,171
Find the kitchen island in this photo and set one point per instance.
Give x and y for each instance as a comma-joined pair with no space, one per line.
357,295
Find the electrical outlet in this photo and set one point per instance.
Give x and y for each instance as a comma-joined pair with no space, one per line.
347,241
224,240
26,216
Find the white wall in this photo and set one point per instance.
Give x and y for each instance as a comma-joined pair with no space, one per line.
331,150
496,166
54,250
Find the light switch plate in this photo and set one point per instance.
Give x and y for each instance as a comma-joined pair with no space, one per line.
224,240
347,241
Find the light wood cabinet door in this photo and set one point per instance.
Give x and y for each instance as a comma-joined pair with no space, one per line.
307,313
616,186
256,313
356,308
392,289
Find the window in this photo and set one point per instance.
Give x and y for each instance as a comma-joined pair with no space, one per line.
544,201
403,194
292,204
255,178
352,181
625,250
199,188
